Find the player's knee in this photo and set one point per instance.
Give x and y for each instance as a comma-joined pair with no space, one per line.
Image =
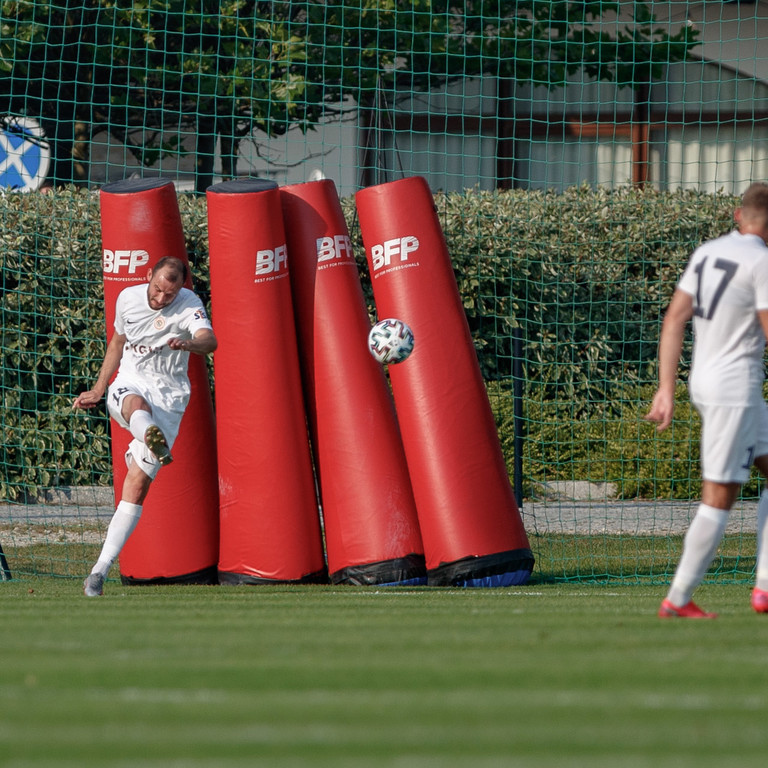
133,403
142,464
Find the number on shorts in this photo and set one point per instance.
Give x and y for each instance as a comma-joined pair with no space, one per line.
728,269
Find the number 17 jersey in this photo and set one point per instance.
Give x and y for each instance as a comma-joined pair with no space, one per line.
728,281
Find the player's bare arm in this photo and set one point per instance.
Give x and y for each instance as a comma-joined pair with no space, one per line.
202,343
678,314
92,397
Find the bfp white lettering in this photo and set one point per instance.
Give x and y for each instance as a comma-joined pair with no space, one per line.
335,247
400,247
114,261
269,261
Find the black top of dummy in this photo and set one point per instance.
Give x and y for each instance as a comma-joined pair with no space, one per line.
134,185
243,185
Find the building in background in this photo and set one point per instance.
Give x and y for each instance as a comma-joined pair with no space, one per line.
703,126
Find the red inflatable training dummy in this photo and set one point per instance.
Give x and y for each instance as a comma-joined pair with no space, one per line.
270,526
177,538
471,526
371,528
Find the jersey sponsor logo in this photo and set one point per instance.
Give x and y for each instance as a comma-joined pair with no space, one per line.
331,248
200,314
397,251
143,349
272,262
117,262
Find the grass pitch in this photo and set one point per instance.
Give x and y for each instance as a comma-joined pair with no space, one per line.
544,675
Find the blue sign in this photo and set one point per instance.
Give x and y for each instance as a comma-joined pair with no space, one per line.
24,154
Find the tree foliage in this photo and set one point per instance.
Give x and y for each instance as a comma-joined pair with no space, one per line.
148,69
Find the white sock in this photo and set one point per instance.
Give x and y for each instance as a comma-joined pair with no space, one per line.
761,569
699,548
120,528
139,422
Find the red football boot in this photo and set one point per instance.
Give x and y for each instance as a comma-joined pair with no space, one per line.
760,600
688,611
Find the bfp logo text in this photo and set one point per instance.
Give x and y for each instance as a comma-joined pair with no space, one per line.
268,261
336,247
398,248
116,261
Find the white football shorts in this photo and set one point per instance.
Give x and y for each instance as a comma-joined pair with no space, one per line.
168,421
731,438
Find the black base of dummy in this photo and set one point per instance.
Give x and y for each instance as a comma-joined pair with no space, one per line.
408,570
502,569
204,576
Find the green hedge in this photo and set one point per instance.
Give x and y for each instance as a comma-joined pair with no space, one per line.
582,277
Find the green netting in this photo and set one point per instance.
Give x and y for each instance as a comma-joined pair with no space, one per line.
578,151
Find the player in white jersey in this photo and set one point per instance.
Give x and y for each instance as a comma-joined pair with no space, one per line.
724,288
157,325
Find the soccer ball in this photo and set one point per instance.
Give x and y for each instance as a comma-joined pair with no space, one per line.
390,341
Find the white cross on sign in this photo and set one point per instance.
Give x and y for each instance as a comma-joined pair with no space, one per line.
24,154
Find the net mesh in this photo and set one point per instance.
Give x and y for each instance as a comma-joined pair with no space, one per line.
578,151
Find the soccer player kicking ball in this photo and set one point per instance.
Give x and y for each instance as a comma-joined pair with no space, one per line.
725,289
157,325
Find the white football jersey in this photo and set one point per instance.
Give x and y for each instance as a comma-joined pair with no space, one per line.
728,280
147,358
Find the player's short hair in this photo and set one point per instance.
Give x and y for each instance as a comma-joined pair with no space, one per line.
176,265
755,199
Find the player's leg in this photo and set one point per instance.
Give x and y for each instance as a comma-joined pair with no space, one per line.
143,466
144,458
728,442
699,547
760,592
143,426
130,408
124,521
